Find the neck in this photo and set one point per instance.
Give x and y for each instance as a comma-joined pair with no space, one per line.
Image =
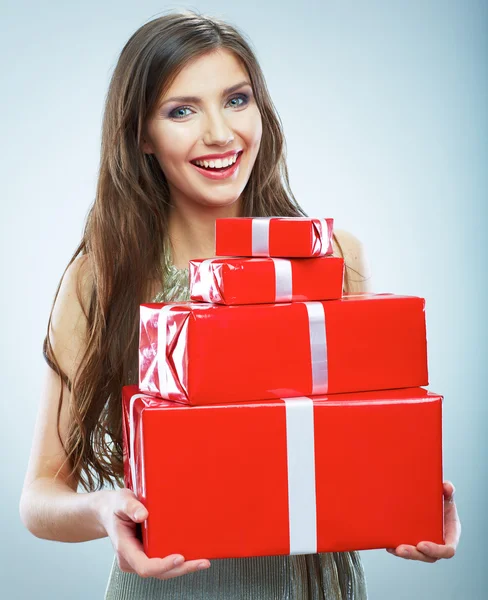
192,230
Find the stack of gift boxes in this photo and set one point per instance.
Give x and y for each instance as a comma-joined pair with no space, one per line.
275,414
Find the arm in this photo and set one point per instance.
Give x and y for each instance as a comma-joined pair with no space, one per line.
51,508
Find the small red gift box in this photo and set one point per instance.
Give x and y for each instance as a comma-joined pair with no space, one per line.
265,280
273,236
202,353
295,476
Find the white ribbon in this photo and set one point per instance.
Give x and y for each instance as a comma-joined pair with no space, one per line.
284,280
318,347
132,435
260,236
324,236
206,278
300,452
161,350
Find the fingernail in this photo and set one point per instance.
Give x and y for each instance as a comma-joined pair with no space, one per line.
405,552
203,565
178,561
140,513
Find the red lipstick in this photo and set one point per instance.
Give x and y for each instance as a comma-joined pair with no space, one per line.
223,173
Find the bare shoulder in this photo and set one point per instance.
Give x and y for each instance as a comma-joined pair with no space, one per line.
358,269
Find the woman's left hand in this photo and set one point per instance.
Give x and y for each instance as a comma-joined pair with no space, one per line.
428,551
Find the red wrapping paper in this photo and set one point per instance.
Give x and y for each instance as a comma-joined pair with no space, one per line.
215,479
214,354
265,280
287,237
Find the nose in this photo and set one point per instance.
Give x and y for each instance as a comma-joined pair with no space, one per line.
217,131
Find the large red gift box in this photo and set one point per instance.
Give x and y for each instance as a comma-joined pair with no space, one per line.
295,476
265,280
201,353
273,236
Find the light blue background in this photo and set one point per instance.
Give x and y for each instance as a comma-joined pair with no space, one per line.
384,110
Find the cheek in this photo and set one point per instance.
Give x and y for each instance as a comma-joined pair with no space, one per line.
254,129
173,142
174,146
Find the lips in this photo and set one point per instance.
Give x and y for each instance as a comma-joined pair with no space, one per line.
214,158
223,173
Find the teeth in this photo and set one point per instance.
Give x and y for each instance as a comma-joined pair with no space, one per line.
218,163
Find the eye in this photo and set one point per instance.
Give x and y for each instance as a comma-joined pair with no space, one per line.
174,113
242,97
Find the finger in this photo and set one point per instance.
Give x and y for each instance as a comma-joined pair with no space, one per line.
131,509
167,568
401,551
436,550
453,531
411,553
452,525
189,566
448,490
152,567
130,549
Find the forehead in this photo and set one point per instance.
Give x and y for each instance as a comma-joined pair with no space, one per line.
208,73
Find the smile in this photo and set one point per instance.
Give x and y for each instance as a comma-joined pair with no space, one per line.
222,173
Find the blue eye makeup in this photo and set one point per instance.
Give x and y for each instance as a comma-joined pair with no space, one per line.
174,113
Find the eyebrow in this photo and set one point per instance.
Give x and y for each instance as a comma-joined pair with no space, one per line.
196,99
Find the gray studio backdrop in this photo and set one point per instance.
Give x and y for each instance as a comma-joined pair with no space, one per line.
384,110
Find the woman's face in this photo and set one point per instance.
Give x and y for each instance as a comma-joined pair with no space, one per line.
213,121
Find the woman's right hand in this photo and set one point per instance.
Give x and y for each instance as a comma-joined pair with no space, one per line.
119,511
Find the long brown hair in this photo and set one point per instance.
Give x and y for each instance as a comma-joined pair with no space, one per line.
126,226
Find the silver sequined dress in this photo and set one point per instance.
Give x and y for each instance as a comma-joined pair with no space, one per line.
325,576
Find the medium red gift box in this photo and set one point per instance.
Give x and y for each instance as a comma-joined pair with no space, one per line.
265,280
201,353
273,236
296,476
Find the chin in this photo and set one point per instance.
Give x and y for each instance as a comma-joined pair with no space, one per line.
219,197
219,202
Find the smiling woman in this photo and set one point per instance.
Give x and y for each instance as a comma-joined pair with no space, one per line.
189,134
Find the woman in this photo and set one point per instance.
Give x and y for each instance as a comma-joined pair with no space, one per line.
155,210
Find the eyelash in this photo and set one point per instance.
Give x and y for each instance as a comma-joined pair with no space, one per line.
245,97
